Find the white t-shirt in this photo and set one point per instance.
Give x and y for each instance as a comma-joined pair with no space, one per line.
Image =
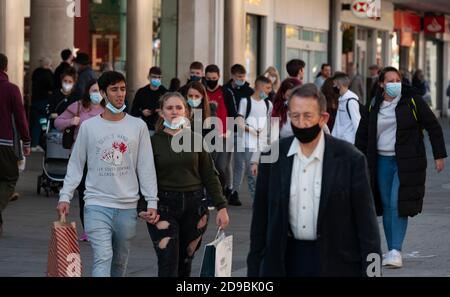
387,128
257,119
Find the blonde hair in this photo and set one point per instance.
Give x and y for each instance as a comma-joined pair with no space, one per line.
272,71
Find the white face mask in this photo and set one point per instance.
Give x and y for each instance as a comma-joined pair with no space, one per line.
67,87
175,124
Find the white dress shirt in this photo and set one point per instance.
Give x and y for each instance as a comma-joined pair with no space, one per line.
306,186
344,127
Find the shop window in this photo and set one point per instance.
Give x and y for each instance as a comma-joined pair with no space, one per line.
253,47
106,32
279,49
309,46
292,32
157,32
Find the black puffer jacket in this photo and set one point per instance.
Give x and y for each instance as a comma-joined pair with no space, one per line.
409,148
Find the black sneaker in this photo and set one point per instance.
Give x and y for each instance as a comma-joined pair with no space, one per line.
234,199
227,193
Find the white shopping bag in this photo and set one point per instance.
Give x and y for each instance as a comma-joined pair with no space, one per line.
218,256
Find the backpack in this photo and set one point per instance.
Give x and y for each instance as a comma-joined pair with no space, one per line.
249,106
362,109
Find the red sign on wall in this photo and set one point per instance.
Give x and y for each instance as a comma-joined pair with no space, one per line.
406,21
434,24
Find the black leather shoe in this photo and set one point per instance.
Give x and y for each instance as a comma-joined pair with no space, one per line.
234,199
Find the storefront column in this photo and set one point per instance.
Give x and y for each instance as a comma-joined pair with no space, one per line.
217,52
169,40
268,39
372,48
387,49
234,34
139,44
446,78
52,30
336,37
422,51
196,34
12,38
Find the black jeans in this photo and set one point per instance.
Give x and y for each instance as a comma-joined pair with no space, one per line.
9,174
178,234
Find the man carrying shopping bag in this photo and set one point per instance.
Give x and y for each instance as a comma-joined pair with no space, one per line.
117,150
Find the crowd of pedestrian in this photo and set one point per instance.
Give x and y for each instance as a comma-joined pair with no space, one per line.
348,150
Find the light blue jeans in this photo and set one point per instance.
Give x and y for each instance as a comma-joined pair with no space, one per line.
388,183
110,232
242,165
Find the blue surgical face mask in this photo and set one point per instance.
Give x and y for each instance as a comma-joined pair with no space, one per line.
174,126
194,103
393,89
239,83
96,98
156,83
114,109
263,95
196,78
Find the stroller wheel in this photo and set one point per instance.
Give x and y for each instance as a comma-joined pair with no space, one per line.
38,186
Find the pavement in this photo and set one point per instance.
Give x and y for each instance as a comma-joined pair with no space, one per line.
27,227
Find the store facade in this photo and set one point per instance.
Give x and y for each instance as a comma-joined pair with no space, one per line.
361,34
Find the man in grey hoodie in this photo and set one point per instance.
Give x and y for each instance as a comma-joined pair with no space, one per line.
119,156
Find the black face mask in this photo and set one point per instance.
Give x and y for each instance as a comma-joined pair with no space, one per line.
306,135
337,90
212,84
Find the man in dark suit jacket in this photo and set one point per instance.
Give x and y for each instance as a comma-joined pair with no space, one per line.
313,213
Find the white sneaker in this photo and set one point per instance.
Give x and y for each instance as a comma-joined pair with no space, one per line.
393,259
37,149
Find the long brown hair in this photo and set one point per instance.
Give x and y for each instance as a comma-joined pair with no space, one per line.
206,109
332,97
279,108
159,124
86,98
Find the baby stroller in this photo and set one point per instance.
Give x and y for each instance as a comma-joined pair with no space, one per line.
55,161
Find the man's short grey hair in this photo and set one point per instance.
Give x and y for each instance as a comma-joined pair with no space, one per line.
310,91
45,62
342,79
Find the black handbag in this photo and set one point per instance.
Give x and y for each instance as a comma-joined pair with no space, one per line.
68,138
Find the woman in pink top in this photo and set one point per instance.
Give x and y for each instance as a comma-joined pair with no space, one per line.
90,105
